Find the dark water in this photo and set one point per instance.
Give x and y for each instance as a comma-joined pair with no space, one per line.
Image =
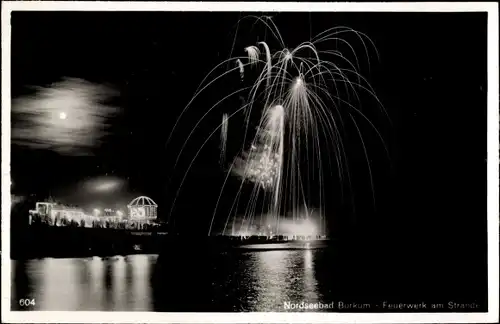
262,278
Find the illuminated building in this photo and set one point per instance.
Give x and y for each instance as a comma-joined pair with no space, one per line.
58,214
142,209
142,215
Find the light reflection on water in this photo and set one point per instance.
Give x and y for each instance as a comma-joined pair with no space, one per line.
89,284
279,277
260,281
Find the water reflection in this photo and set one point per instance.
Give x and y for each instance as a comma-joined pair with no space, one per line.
94,282
56,278
243,281
280,277
140,267
119,286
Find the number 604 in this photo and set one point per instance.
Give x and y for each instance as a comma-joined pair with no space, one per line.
26,302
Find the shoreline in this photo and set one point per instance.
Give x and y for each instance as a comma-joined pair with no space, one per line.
74,242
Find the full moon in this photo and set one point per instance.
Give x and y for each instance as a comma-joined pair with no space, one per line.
62,115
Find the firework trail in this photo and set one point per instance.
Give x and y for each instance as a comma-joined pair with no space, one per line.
298,94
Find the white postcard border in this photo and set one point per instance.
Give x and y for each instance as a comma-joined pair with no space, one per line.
151,317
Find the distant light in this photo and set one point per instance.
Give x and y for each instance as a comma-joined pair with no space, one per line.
104,184
119,213
97,211
62,115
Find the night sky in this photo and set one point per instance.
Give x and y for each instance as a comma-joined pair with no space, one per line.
431,78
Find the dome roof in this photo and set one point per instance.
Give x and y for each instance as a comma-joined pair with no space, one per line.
142,201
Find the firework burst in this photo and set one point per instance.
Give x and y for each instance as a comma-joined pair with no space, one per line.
297,92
